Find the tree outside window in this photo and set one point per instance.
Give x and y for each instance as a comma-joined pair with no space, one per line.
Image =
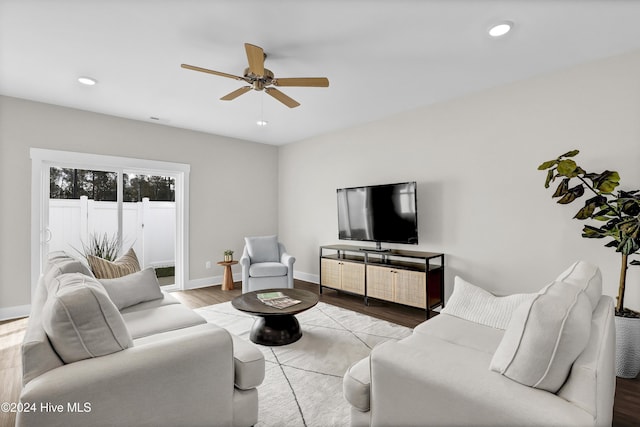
66,183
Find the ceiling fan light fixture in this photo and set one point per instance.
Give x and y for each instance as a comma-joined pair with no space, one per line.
88,81
500,29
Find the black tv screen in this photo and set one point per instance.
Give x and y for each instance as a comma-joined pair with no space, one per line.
379,213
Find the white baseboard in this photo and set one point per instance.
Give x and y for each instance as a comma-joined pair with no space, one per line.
217,280
8,313
210,281
203,283
307,277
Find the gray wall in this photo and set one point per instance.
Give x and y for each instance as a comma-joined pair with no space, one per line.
228,178
481,200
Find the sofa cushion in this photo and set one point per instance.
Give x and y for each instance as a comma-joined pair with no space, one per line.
248,363
105,269
595,365
60,263
167,299
38,356
545,337
81,321
267,269
585,276
142,323
133,288
462,332
356,385
263,249
423,380
475,304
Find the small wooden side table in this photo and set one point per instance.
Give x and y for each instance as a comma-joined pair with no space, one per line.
227,280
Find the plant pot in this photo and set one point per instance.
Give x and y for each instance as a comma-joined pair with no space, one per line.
627,346
228,258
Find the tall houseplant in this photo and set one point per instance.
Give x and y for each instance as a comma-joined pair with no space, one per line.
616,217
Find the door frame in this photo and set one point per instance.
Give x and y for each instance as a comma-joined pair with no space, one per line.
42,159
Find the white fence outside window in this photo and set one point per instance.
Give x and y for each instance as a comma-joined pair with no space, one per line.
149,227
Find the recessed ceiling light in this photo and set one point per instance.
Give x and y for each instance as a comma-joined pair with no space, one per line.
87,81
500,29
262,122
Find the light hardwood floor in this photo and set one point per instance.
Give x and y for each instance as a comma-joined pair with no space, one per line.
627,402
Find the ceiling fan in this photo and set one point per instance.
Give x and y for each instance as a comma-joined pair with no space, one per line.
260,78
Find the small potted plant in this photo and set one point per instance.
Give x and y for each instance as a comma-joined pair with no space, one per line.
228,255
617,218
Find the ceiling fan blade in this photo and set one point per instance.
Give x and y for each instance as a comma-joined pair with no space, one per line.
255,56
236,93
204,70
303,81
289,102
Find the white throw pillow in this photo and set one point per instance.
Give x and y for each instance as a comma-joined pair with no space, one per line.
475,304
545,337
263,249
60,263
81,321
133,288
585,276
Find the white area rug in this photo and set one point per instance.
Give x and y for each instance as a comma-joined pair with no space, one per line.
303,380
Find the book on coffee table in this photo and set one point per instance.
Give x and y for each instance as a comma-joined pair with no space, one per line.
277,299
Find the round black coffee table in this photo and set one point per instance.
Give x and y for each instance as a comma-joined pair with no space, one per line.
275,326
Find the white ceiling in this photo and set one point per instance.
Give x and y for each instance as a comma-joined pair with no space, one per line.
382,57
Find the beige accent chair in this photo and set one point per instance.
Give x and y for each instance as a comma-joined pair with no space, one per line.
265,264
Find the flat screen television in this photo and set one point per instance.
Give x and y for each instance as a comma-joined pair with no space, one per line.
379,213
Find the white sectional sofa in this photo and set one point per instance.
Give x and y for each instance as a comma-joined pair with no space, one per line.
154,363
451,371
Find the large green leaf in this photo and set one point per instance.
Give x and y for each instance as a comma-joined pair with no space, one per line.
572,194
562,188
571,153
627,246
629,206
590,206
630,228
549,178
592,232
607,181
604,214
606,209
547,164
635,262
586,211
567,167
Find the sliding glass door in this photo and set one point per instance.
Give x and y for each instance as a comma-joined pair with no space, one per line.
105,206
149,221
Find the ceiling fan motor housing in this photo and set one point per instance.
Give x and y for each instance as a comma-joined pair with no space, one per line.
259,82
